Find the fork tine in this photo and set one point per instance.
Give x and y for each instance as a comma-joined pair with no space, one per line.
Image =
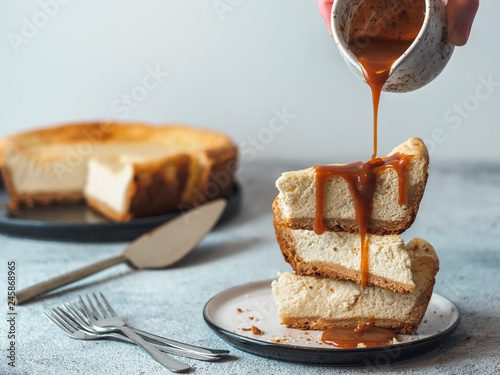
100,306
113,313
57,311
58,322
85,308
79,307
54,321
92,307
73,317
71,307
61,320
70,320
76,306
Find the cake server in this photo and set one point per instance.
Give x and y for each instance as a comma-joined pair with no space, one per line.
159,248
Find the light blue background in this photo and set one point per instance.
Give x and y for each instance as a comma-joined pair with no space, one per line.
230,69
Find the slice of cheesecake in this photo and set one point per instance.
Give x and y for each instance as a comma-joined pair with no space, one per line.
308,302
297,197
122,188
337,255
51,165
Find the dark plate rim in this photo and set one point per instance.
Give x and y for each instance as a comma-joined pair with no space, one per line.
405,346
105,231
134,222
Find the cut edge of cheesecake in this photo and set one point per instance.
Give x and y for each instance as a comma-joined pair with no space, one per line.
18,199
29,199
425,265
400,281
146,188
290,196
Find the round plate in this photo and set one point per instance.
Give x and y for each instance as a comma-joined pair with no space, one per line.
77,222
256,303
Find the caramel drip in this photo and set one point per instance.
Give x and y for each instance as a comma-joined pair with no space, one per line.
361,178
380,32
346,337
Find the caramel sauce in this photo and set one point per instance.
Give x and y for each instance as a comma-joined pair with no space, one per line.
361,178
346,337
380,32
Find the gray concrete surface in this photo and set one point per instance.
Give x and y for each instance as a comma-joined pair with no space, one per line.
460,216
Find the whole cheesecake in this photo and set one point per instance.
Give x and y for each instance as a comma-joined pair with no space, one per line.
122,170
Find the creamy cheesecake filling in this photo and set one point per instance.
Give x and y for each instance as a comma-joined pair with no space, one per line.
312,297
109,178
108,182
64,168
31,176
297,191
387,255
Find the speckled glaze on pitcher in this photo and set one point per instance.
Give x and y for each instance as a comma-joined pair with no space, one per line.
420,63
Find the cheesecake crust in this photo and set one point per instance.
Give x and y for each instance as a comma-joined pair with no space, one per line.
322,324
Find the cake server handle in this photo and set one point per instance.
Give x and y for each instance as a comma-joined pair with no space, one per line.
57,282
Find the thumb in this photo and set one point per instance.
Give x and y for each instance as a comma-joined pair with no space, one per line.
460,14
325,9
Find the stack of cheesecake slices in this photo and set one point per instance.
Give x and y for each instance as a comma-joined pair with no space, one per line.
325,290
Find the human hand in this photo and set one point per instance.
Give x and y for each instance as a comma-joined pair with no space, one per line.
460,15
325,9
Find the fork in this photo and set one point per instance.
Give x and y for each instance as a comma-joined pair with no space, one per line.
107,320
80,315
72,327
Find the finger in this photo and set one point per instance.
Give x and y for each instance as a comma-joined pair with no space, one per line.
460,15
325,9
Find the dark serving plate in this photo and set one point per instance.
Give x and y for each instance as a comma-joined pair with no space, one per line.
232,312
79,223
